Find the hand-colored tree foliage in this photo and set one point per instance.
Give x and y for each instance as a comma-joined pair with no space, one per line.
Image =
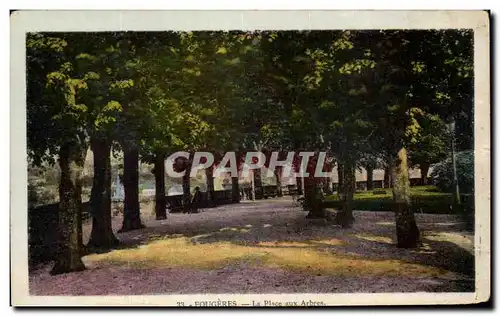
364,97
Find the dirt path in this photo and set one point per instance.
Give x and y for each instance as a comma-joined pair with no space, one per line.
269,247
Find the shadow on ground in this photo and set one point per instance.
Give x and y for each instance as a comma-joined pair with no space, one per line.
249,234
257,239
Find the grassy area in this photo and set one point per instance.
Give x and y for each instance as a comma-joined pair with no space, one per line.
308,256
424,199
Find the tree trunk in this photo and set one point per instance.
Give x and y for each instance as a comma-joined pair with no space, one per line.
424,169
252,186
102,235
277,174
160,195
235,190
354,182
132,208
345,216
186,186
407,231
328,185
209,173
312,201
369,178
313,198
340,173
298,181
297,167
68,259
387,178
257,180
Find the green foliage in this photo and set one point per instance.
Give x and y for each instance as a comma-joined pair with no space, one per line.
431,142
442,172
359,95
71,94
355,94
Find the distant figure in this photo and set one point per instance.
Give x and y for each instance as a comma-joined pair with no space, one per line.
196,201
119,193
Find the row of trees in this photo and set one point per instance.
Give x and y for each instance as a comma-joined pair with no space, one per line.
361,96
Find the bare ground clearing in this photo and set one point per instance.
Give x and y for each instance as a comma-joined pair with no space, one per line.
269,247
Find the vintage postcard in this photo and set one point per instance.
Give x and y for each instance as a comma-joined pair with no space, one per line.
250,158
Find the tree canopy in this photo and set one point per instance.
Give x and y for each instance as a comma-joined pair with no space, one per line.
363,96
